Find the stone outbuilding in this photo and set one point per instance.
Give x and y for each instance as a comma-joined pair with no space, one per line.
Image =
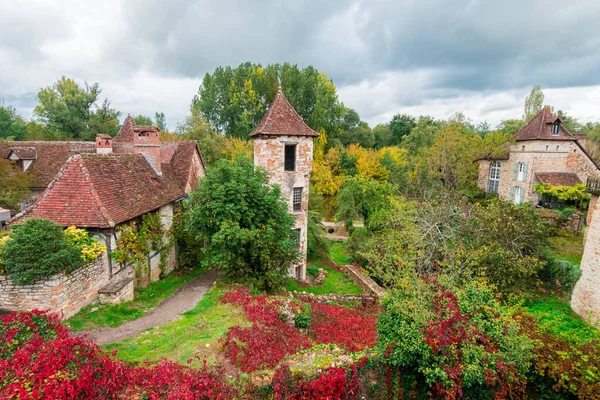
542,151
122,180
283,145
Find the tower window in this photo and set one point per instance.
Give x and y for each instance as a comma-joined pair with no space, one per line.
555,129
297,199
290,157
296,237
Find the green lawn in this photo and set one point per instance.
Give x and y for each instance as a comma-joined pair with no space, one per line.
335,282
556,317
145,300
567,246
193,336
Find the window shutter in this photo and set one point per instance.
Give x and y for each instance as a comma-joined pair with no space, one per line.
525,171
522,195
512,193
515,167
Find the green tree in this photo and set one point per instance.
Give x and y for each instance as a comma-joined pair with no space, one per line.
14,185
37,249
382,135
364,198
401,125
70,110
233,100
143,120
459,340
244,223
533,103
12,126
160,120
511,126
421,136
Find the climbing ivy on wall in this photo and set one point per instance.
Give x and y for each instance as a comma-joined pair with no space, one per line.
564,193
134,245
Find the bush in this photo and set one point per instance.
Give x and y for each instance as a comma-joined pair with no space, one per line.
461,340
40,360
90,248
562,274
302,319
37,250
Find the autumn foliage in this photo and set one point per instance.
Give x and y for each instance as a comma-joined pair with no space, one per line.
40,360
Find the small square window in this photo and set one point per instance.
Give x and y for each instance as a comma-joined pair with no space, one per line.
522,148
290,157
297,199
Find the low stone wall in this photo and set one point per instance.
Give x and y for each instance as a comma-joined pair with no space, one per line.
363,281
574,223
336,298
65,293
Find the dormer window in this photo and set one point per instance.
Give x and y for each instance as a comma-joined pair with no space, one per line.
555,128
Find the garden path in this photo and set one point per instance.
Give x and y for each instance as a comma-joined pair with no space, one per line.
179,302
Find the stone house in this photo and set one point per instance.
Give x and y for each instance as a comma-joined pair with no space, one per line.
542,151
120,181
283,145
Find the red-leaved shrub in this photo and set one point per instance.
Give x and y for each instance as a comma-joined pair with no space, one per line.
267,341
40,360
353,330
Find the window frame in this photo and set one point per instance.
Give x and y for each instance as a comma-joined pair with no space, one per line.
297,205
287,146
297,236
494,177
521,171
554,131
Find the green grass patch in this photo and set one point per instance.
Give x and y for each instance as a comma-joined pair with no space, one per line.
335,282
338,252
556,317
567,246
146,299
193,336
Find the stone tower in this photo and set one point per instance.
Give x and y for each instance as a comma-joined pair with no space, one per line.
283,145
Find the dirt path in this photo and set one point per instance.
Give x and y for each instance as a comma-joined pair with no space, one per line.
182,300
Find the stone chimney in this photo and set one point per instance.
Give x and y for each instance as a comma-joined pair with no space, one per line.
146,141
104,144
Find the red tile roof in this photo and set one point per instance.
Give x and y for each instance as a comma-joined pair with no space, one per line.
126,132
282,120
100,191
50,157
540,128
558,178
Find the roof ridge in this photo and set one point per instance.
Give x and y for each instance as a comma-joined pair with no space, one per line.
86,175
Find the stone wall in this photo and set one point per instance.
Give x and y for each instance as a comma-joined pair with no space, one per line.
363,281
269,154
336,298
65,293
586,295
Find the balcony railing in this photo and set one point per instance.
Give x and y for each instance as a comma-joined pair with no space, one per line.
593,185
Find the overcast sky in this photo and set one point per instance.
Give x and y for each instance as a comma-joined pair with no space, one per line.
418,57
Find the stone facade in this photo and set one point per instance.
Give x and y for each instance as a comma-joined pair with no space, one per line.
537,156
64,293
586,295
269,153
